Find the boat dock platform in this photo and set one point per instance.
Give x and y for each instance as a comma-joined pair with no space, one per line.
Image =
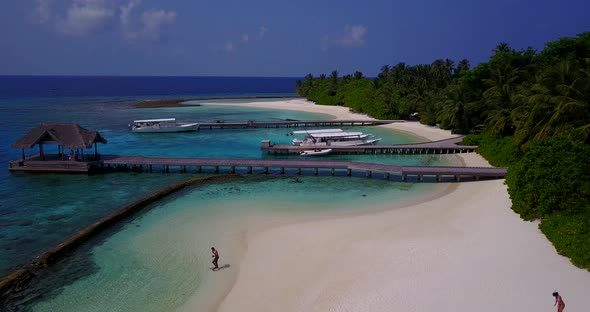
448,146
220,124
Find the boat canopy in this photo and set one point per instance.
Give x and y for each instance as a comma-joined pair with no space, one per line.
336,134
155,120
316,131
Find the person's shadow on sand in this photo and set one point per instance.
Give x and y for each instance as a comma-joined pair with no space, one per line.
225,266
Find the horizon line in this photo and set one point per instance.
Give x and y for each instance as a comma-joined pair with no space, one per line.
126,76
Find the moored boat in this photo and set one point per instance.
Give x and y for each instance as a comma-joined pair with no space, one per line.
162,125
339,138
316,152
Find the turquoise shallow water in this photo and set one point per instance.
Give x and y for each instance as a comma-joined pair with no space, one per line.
159,260
146,264
38,211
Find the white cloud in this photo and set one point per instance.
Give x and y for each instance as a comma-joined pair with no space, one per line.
245,38
153,21
353,37
262,31
126,12
229,47
148,27
232,46
43,11
85,17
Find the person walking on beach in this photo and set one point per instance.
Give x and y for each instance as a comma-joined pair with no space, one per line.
558,302
215,258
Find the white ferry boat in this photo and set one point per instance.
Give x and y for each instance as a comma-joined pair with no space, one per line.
333,137
162,125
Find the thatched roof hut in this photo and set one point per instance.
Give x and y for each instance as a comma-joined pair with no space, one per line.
66,136
70,136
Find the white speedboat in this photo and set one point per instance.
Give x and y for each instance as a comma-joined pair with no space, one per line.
340,138
316,152
162,125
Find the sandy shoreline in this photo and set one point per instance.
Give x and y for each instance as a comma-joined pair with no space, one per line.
464,251
340,112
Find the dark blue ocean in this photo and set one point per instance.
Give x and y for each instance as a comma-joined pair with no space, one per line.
38,211
83,86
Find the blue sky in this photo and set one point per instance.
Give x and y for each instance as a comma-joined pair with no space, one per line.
268,37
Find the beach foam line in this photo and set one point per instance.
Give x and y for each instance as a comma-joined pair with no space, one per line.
13,284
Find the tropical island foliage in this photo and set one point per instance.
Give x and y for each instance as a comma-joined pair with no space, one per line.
527,110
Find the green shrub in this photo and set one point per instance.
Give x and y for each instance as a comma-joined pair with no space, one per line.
499,151
554,176
570,234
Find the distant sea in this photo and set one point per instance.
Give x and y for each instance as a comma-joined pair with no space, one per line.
77,86
159,259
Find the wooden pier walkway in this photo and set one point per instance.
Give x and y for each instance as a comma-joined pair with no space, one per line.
448,146
278,166
297,167
220,124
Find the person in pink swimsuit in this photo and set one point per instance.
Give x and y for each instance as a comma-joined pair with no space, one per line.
558,302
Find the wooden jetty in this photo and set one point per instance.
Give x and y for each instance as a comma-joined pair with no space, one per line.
220,124
111,163
297,167
448,146
72,136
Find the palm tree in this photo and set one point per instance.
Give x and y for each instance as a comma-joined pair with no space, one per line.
333,83
556,102
389,100
384,72
382,76
452,113
500,97
397,74
449,67
571,108
442,71
299,84
502,47
462,68
306,86
534,112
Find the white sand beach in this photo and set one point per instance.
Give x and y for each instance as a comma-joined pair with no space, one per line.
464,251
340,112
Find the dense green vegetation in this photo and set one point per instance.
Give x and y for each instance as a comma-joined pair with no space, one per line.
527,110
499,151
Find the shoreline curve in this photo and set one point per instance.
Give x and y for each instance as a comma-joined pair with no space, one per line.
12,285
